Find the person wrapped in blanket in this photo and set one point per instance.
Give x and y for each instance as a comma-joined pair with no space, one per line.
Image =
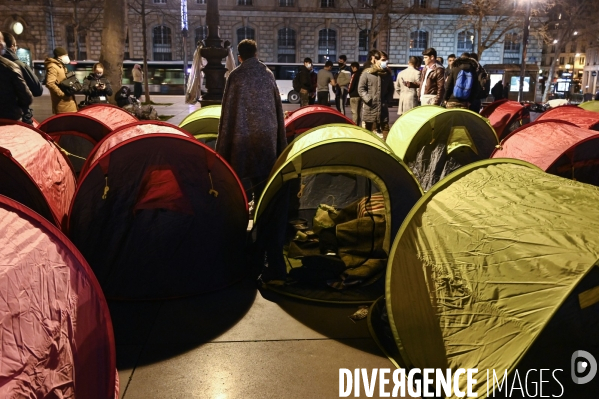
344,248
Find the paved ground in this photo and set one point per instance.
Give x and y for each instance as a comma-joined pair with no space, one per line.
235,343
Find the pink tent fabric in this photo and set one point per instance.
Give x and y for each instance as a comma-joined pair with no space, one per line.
312,116
57,338
113,116
574,114
44,163
127,132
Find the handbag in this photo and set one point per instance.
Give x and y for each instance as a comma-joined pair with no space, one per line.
70,85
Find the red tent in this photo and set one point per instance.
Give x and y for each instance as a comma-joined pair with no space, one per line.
35,172
129,131
159,216
306,118
574,114
557,147
57,339
76,133
113,116
506,116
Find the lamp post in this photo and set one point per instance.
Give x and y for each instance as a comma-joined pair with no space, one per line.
214,52
184,31
524,44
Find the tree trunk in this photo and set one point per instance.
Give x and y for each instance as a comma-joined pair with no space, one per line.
145,50
113,42
561,39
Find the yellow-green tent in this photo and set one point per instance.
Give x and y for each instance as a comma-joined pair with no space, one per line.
590,106
495,269
203,124
336,165
434,141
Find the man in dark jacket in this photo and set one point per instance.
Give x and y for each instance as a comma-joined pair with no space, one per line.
15,96
31,80
387,91
308,81
96,87
483,79
355,101
467,65
497,90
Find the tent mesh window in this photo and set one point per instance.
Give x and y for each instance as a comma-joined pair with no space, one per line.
334,239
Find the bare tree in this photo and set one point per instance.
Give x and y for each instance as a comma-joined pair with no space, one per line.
143,10
113,41
572,20
83,19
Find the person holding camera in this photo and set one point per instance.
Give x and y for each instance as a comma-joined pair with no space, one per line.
56,73
96,87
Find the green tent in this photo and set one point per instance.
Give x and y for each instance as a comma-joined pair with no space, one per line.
337,165
203,124
495,269
590,106
434,141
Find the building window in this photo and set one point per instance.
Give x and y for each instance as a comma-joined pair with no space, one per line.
200,1
465,41
162,43
420,3
245,32
72,46
285,3
363,45
551,61
327,45
418,42
581,61
366,3
511,49
571,60
244,2
201,33
561,61
327,3
286,45
127,55
553,49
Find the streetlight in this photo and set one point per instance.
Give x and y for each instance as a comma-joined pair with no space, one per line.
184,31
524,44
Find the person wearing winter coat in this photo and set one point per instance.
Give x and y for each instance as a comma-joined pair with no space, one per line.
138,77
14,93
431,87
308,81
96,87
468,65
374,90
56,72
497,91
408,97
355,101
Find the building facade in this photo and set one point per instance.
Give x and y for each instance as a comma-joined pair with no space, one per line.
285,30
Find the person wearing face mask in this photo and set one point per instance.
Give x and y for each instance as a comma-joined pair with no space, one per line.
96,87
56,72
308,83
342,79
376,90
15,96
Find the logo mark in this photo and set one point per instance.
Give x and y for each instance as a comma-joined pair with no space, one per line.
583,362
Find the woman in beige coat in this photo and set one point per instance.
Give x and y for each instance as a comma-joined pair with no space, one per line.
55,73
408,97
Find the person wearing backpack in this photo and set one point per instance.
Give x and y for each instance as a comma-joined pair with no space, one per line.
461,86
484,85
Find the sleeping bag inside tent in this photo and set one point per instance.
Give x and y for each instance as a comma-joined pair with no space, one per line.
203,124
557,147
112,116
127,132
434,141
495,268
34,172
506,116
57,339
76,133
306,118
590,106
332,205
573,114
160,216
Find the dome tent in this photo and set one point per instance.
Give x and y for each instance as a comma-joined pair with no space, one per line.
35,172
495,268
573,114
113,116
309,117
506,116
203,124
434,141
590,106
557,147
176,213
57,338
322,164
127,132
76,133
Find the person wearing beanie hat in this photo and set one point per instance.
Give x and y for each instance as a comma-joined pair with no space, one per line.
56,72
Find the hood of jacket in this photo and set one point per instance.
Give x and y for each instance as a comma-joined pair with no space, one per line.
465,63
375,69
